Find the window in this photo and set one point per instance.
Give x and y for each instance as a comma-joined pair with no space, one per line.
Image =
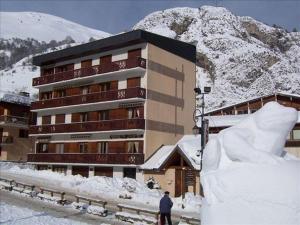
103,147
46,119
296,134
59,148
60,93
84,117
253,110
245,111
46,95
133,113
133,147
104,87
60,169
23,133
85,90
83,147
103,115
42,148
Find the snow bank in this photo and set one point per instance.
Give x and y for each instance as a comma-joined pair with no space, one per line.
245,178
100,187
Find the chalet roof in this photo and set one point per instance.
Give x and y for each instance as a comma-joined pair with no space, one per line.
254,99
14,98
182,49
187,147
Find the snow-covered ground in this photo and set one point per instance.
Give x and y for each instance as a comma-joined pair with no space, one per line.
15,215
102,187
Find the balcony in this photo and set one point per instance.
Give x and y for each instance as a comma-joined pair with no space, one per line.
14,120
89,71
90,98
106,125
113,158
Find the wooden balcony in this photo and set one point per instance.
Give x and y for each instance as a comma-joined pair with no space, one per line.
90,98
89,71
89,158
9,119
90,126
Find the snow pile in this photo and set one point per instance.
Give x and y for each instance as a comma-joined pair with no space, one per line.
99,187
245,176
238,57
44,27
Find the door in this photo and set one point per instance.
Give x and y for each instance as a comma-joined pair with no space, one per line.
81,170
129,172
178,182
104,171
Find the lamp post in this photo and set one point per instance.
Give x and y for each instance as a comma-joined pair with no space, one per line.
204,123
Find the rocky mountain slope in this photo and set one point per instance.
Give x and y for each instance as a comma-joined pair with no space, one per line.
238,57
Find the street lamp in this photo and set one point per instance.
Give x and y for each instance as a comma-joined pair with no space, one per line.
199,112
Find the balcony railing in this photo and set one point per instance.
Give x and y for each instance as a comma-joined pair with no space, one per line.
89,71
14,119
112,158
106,125
90,98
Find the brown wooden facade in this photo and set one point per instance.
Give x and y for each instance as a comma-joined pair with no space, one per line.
253,105
100,102
105,67
14,125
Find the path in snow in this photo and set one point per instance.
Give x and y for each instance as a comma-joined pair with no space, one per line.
17,209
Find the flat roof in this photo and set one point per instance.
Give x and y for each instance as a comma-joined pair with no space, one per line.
182,49
252,100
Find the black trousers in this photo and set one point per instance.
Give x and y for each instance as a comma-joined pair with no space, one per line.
163,218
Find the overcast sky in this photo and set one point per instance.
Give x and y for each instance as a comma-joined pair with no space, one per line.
118,15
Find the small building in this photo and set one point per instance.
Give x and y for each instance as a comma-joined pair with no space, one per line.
14,124
176,168
105,106
228,116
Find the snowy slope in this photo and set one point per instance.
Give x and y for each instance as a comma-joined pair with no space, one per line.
44,27
238,56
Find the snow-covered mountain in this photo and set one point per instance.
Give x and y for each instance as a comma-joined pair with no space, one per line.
44,27
238,57
24,34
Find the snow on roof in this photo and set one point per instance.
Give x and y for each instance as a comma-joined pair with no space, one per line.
158,158
225,120
253,99
230,120
14,98
188,146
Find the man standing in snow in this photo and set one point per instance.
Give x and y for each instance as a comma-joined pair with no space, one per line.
165,206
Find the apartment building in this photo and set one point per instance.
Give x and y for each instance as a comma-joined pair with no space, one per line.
104,107
228,116
14,124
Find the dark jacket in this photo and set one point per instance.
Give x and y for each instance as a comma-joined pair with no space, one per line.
165,204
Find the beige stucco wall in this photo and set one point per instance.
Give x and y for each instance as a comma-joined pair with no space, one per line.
165,178
155,110
294,151
18,150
